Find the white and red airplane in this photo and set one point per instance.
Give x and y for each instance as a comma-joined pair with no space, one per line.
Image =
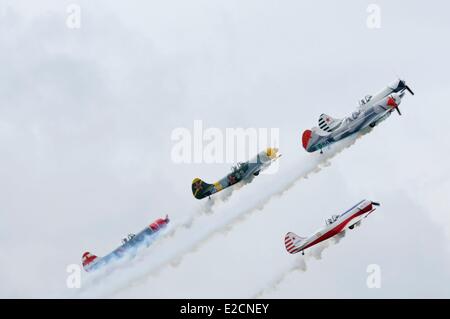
334,225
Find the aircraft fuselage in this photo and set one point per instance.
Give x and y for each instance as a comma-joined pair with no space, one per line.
352,216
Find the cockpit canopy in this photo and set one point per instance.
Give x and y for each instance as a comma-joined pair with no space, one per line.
239,167
352,117
128,238
355,115
235,168
365,100
332,219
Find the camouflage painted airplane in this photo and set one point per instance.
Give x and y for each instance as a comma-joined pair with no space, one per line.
372,110
242,171
333,226
129,245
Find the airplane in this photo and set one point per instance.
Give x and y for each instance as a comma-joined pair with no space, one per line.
371,111
333,226
241,171
129,245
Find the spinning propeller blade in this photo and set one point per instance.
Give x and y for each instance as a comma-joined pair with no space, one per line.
375,203
409,90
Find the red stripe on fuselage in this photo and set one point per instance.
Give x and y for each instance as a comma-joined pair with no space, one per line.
337,229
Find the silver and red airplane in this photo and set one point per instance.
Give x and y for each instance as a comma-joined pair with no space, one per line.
371,111
334,225
129,246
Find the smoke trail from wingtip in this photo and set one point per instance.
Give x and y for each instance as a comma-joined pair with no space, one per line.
207,207
299,264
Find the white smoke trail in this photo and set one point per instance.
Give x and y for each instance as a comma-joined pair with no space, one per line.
183,248
299,264
207,207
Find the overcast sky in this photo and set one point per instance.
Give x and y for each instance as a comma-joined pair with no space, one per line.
86,117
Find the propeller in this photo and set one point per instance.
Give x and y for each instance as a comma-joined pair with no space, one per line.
376,203
405,88
409,90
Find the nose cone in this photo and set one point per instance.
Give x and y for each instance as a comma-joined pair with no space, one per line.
162,221
272,152
398,97
394,100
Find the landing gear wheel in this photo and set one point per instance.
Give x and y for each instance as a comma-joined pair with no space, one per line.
352,226
372,125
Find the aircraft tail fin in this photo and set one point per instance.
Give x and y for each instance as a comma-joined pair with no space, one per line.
201,189
293,242
328,123
88,259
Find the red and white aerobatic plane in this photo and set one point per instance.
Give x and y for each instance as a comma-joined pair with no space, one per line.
334,225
